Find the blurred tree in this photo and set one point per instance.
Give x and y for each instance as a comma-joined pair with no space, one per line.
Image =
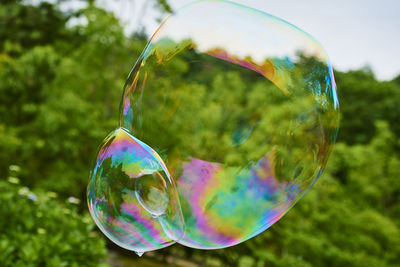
24,26
41,230
165,6
397,80
364,100
59,100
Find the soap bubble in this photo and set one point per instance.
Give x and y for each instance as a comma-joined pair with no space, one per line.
241,108
132,197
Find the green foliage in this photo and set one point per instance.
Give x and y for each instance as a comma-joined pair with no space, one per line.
397,79
58,101
363,101
164,6
39,230
25,26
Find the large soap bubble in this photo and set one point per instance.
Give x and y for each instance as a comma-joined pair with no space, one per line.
241,107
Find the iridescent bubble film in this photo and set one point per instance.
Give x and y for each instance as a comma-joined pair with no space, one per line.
132,197
241,108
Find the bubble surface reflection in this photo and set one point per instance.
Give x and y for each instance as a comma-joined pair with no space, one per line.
242,110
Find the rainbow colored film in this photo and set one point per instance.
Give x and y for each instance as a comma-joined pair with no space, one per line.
131,196
235,107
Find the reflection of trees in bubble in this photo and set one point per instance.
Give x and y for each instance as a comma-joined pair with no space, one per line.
220,121
227,113
131,197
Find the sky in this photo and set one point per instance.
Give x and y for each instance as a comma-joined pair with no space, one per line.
354,33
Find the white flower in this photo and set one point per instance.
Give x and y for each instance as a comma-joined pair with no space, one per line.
74,200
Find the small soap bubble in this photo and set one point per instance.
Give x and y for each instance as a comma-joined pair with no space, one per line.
131,196
151,194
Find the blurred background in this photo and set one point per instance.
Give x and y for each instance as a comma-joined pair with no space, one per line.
62,68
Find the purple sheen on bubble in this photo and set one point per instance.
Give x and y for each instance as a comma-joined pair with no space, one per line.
131,196
218,195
